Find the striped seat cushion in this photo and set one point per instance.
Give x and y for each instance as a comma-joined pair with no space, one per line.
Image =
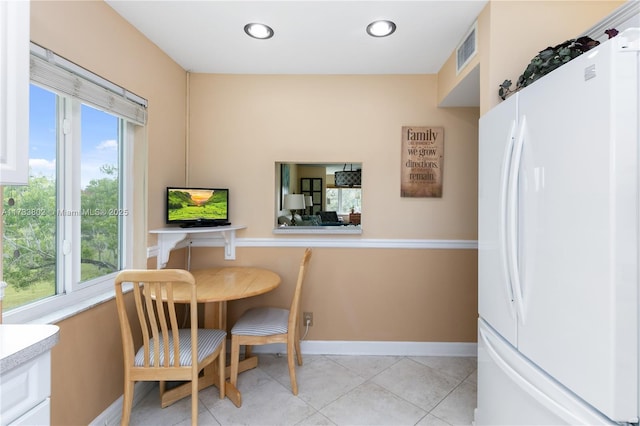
208,342
262,321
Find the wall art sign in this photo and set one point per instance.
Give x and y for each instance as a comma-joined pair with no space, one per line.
422,161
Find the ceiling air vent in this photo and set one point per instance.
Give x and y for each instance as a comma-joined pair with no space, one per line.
467,49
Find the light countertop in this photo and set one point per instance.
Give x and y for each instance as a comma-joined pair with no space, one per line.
20,343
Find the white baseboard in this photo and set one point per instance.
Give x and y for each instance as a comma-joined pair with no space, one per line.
112,415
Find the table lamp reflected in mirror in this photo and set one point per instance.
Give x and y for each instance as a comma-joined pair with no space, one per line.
308,203
293,202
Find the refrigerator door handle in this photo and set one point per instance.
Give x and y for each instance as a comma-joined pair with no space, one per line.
504,208
512,220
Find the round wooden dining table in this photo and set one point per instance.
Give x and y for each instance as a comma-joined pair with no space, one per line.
219,285
215,287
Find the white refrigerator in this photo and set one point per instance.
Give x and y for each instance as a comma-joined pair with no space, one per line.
559,245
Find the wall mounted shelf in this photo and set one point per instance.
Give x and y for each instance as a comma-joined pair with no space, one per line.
170,238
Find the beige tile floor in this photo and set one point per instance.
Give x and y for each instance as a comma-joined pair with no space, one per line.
335,390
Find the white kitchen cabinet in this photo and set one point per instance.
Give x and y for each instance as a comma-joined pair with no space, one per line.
25,373
14,87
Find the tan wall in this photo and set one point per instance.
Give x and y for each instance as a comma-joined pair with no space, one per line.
241,125
513,42
370,294
87,362
86,366
251,122
486,85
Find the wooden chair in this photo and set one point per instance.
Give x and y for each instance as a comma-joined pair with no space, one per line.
264,325
179,354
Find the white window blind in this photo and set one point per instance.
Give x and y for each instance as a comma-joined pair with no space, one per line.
65,77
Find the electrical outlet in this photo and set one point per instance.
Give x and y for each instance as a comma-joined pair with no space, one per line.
307,316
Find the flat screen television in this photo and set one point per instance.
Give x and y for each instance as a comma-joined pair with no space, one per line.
189,207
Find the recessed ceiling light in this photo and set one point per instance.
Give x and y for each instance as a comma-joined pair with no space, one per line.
259,31
381,28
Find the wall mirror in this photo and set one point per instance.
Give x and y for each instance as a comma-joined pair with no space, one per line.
319,196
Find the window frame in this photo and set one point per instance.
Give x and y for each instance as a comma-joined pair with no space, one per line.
73,296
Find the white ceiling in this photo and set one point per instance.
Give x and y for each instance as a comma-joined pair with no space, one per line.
311,36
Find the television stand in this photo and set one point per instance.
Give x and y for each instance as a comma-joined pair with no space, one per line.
170,238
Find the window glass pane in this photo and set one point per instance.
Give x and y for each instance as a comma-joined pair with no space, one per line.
29,212
350,200
332,200
100,195
343,200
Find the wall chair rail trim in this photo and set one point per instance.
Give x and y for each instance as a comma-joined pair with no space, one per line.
332,242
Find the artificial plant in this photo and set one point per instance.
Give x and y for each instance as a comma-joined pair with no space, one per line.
549,59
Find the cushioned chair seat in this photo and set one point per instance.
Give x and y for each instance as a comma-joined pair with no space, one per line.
208,342
262,321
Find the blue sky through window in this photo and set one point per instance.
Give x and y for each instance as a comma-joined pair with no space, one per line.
99,137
